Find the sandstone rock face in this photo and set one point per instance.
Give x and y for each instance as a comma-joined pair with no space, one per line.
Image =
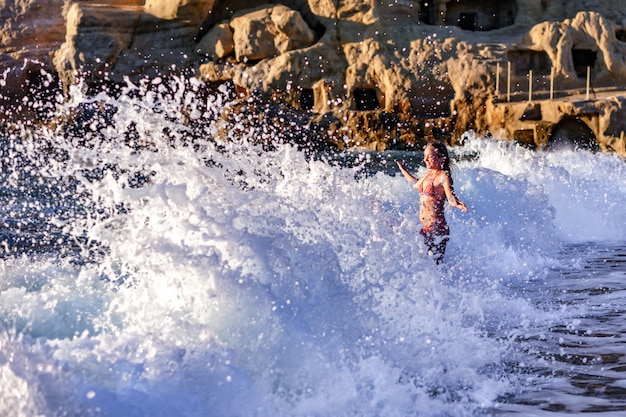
29,33
94,41
106,42
586,31
438,67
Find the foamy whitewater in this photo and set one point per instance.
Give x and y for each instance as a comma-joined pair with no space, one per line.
147,274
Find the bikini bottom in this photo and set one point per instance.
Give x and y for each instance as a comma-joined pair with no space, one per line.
436,237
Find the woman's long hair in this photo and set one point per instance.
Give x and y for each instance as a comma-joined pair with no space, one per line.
442,152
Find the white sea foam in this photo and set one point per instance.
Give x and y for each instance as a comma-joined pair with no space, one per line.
246,282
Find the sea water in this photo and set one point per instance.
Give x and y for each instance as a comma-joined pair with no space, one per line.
146,273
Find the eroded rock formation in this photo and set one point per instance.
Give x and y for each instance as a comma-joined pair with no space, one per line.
369,73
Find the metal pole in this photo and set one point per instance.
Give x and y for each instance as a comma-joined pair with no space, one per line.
508,82
588,80
530,85
497,78
551,83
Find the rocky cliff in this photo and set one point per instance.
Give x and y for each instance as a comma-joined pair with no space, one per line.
376,74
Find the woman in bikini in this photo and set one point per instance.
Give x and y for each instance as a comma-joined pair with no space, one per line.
435,188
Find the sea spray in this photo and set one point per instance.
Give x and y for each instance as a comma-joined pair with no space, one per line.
585,190
189,276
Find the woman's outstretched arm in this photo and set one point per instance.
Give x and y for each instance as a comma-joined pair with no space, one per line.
453,200
406,173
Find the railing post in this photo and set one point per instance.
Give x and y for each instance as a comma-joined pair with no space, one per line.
530,85
497,78
588,80
551,83
508,82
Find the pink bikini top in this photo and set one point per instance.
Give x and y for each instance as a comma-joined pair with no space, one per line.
428,188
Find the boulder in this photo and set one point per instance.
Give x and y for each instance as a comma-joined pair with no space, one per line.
217,43
269,31
192,12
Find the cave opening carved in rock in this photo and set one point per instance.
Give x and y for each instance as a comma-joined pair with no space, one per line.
572,133
524,60
427,13
307,99
479,15
366,99
583,58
